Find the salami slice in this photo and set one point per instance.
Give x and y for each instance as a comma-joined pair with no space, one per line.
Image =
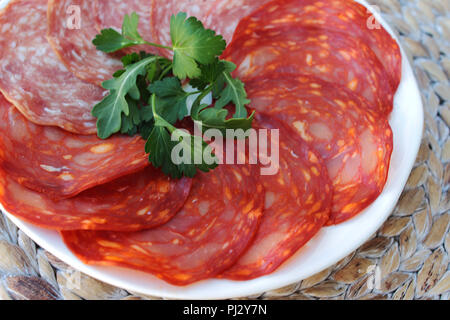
162,10
346,16
206,237
355,143
110,14
226,14
142,200
73,43
33,78
328,55
297,205
59,163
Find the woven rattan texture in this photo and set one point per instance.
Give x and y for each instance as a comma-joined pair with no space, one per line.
410,250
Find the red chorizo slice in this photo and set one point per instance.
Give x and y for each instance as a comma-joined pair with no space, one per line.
59,163
355,143
162,10
346,16
297,205
110,14
33,78
74,45
206,237
142,200
225,15
328,55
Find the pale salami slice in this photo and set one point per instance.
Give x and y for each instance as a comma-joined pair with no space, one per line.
225,15
73,43
162,10
328,55
59,163
142,200
33,78
206,237
346,16
355,143
297,205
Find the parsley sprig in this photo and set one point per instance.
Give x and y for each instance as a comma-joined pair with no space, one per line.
147,95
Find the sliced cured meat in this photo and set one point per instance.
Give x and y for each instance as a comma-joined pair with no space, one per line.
226,14
73,44
206,237
297,205
162,10
33,78
355,143
328,55
59,163
110,14
346,16
138,201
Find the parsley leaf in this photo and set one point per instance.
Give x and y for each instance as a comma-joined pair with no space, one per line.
233,92
217,78
130,122
130,28
109,111
209,74
216,118
109,40
192,44
159,146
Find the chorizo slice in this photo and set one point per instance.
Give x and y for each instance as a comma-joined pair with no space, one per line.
206,237
73,44
297,204
328,55
345,16
142,200
355,143
59,163
33,78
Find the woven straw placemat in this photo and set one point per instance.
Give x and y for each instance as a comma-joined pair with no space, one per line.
410,250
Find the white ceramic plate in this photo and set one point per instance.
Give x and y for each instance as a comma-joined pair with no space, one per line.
328,247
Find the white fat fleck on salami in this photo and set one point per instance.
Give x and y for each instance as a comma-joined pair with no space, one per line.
41,87
191,246
59,163
52,169
297,205
105,207
74,45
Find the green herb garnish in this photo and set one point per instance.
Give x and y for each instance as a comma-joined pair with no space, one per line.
147,96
